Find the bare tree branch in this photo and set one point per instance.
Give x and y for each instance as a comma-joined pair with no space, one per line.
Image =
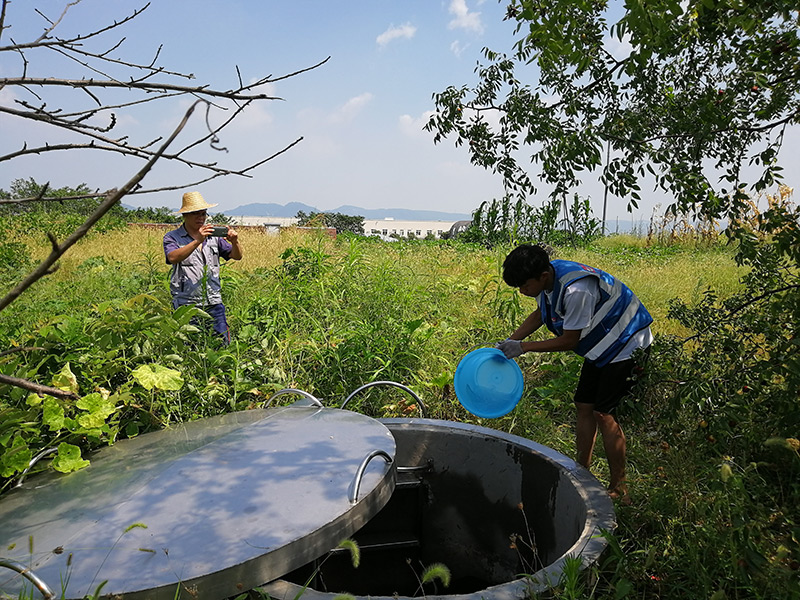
42,42
20,349
112,198
104,73
3,6
118,145
55,24
142,191
201,90
36,388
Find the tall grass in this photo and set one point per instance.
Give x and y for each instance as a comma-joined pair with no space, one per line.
327,316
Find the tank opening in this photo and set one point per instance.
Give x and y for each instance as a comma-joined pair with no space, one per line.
411,533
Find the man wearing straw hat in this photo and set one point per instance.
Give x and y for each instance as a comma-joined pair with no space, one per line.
194,253
596,316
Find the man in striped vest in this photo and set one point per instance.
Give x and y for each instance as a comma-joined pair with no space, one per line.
598,317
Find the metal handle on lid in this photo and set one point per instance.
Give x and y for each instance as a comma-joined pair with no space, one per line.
421,406
285,391
33,461
362,467
29,575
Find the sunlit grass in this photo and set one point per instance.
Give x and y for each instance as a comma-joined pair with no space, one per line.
657,274
330,329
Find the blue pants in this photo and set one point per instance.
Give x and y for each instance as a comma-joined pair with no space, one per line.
219,322
217,312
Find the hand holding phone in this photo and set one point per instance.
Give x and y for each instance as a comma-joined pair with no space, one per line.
219,231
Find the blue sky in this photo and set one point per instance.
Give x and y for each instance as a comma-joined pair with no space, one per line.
360,114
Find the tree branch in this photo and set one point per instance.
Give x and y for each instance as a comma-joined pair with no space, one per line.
222,173
117,145
53,25
114,196
21,349
200,90
3,6
36,387
750,302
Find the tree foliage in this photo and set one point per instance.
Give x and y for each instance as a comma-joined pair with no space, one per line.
338,221
687,95
64,199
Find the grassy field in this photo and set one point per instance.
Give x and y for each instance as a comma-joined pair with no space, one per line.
327,316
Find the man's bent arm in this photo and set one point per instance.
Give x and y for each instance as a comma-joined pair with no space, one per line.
182,253
236,250
529,325
566,341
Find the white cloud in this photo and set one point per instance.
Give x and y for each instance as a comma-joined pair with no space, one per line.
463,18
393,33
619,49
254,117
458,48
411,127
350,109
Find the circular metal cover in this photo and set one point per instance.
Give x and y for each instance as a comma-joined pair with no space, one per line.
212,507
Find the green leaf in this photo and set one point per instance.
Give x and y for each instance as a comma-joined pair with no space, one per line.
16,459
33,400
98,409
155,376
68,459
66,380
53,414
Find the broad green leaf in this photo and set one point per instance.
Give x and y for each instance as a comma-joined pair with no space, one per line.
68,459
66,380
98,409
155,376
132,429
622,589
53,414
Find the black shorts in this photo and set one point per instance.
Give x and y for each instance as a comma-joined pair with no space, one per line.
605,387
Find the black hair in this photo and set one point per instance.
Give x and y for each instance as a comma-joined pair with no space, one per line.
526,261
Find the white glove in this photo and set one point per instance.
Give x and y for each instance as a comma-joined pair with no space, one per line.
511,348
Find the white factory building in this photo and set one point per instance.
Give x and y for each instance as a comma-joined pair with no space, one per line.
385,228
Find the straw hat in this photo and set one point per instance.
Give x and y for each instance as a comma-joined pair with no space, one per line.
192,202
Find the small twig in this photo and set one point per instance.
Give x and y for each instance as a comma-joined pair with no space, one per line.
53,24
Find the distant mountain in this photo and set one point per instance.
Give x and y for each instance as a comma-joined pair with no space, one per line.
292,208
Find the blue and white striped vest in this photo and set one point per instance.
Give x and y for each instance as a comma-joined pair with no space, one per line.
617,317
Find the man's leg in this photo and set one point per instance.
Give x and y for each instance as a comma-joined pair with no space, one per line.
585,432
217,313
615,446
599,392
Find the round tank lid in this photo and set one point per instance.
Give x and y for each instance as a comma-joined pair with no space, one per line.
212,507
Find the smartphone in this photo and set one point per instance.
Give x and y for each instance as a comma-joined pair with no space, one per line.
219,232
